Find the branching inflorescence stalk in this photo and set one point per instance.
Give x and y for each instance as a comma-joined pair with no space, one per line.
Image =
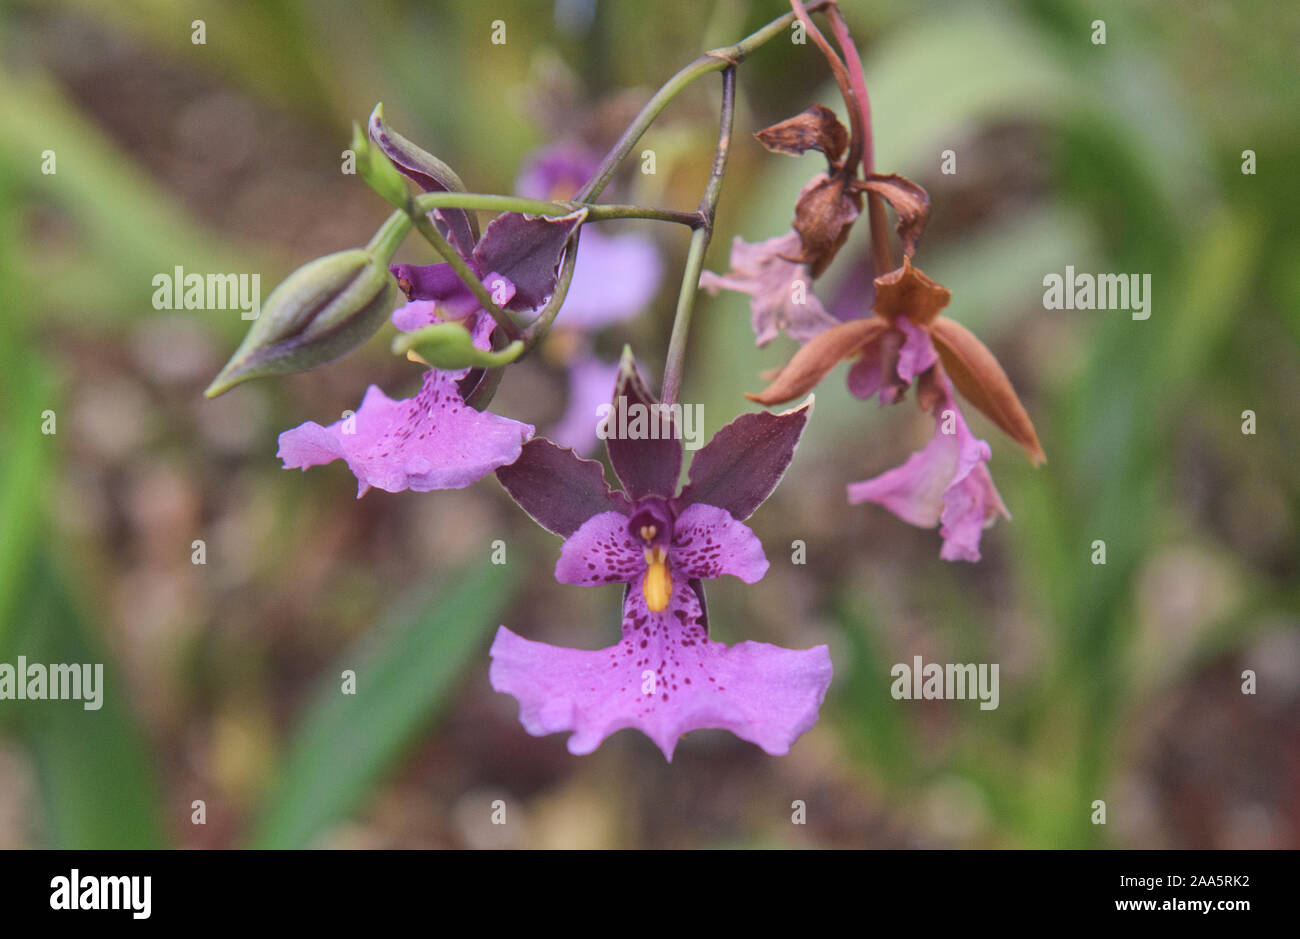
848,76
699,245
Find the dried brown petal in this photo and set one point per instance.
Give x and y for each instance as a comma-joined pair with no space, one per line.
980,378
909,201
815,129
908,292
817,357
822,217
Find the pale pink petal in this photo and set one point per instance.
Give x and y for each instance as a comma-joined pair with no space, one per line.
946,483
866,373
416,314
913,491
780,291
431,441
971,505
917,353
890,363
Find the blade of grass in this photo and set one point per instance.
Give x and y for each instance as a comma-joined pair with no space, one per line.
92,767
405,671
25,390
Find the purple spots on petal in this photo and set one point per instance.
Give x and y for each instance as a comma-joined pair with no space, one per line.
423,443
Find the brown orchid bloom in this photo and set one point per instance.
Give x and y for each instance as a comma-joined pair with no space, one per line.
902,339
908,292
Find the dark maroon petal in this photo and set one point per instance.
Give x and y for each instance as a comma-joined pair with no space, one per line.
559,489
646,454
469,384
527,249
429,282
430,174
738,469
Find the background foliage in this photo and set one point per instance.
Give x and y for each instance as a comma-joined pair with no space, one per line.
1119,682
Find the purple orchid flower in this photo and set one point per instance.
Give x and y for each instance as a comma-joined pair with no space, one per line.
615,278
665,677
903,341
521,251
948,482
431,441
556,171
435,440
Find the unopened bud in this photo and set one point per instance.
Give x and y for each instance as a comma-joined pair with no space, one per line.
320,312
431,175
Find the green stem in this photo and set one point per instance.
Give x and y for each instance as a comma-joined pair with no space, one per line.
700,238
713,61
385,242
606,211
427,202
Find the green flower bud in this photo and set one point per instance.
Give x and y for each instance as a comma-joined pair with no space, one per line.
320,312
377,170
449,346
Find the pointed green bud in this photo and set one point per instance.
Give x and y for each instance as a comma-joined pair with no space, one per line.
320,312
448,346
430,174
377,170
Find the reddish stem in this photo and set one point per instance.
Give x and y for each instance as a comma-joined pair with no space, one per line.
842,78
881,256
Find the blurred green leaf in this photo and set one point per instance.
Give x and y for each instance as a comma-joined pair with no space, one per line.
92,767
25,390
405,671
127,228
862,702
